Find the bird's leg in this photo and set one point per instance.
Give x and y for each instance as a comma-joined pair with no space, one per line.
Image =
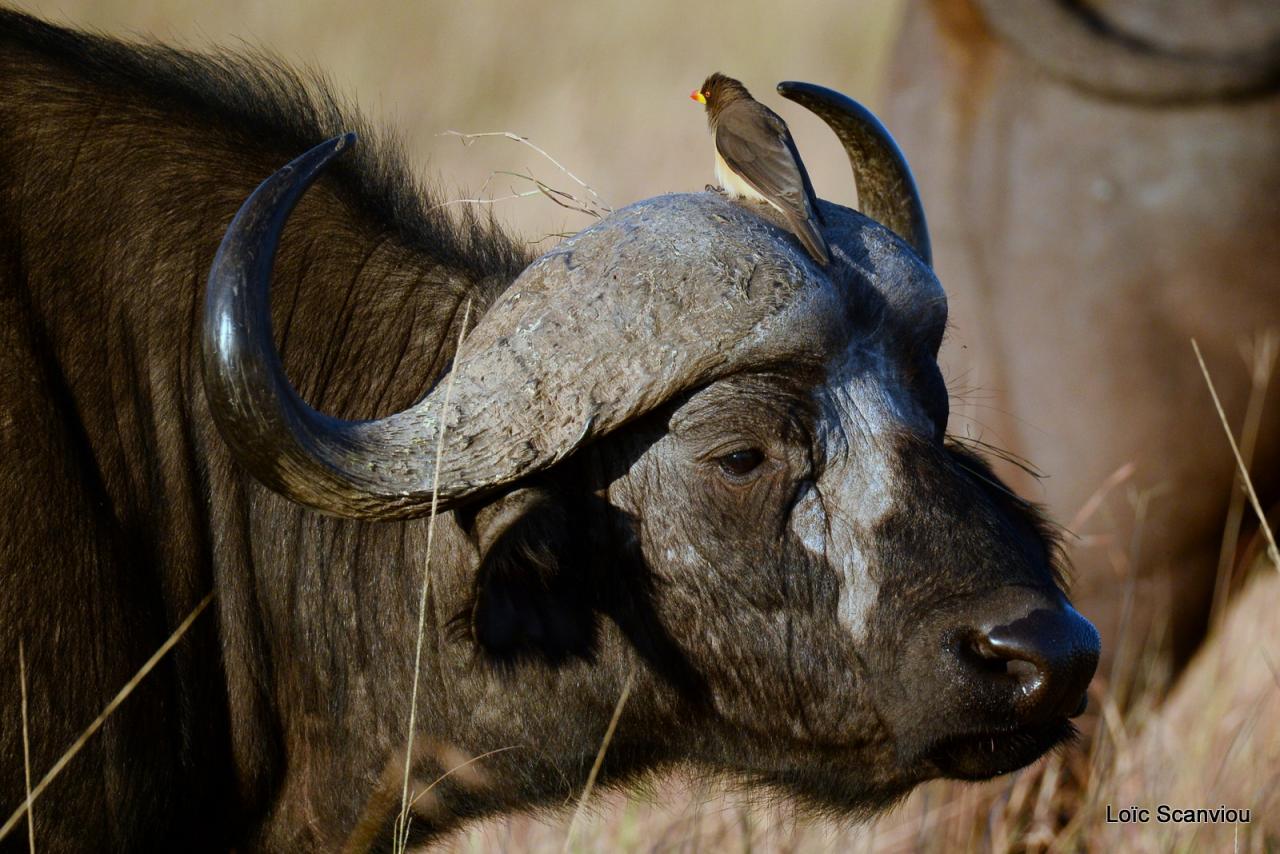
714,188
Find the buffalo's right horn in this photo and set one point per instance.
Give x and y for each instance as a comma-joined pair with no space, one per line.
886,191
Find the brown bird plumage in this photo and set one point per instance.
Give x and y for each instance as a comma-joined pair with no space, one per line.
757,159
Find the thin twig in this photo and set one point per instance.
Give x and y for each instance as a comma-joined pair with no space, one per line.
492,201
26,745
1094,501
595,766
1272,551
595,206
459,767
402,836
559,197
106,713
1271,665
469,138
1264,358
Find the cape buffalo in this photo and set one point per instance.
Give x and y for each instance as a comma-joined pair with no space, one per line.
1104,179
673,456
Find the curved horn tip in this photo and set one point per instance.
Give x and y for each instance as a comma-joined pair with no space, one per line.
886,189
799,91
316,158
249,397
795,89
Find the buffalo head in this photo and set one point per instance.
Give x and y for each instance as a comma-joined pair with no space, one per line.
734,455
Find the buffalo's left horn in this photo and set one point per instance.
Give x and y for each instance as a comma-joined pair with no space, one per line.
886,191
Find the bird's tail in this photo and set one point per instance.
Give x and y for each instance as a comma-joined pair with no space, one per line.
806,228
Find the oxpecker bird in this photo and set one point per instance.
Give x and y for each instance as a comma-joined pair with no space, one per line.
757,159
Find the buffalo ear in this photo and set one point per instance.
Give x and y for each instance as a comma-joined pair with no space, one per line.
530,599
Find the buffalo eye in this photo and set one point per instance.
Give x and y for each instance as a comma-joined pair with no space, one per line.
741,463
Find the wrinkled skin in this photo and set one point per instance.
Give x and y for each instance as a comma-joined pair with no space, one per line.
806,587
809,563
1084,239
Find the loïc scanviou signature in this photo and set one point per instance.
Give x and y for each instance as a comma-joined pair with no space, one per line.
1166,814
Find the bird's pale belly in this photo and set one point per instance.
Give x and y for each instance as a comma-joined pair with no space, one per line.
736,186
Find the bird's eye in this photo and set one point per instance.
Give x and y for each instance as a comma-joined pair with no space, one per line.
741,463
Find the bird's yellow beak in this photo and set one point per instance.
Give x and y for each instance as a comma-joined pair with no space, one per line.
698,96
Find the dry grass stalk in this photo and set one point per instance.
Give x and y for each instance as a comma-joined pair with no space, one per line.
110,708
384,799
489,201
1272,551
402,821
592,204
564,199
1094,502
381,802
1263,354
459,767
26,745
470,138
595,766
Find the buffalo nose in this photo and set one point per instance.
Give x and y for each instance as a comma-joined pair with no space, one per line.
1051,653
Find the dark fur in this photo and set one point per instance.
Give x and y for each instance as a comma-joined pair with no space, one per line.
532,590
120,165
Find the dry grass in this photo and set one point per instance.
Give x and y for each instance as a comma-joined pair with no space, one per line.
107,711
26,747
1261,355
403,819
1272,552
589,788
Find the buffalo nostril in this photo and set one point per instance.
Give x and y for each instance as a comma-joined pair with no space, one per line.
996,657
1026,672
1050,654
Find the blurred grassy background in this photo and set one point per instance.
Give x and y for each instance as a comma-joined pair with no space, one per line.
601,86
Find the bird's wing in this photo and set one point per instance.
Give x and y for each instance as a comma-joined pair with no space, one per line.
757,146
804,177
